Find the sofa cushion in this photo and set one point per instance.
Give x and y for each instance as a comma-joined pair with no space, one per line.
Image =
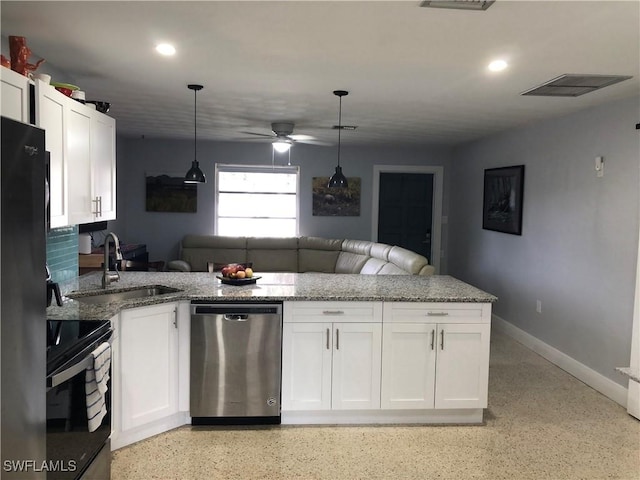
372,266
349,262
273,254
380,250
392,269
407,260
318,254
361,247
197,250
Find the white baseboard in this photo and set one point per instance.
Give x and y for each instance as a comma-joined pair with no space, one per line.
595,380
464,416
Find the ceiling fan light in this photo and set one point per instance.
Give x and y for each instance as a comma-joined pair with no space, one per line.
195,175
338,180
281,146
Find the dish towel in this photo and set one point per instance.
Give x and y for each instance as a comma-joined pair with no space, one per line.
97,375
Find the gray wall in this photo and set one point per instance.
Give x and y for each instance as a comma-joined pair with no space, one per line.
161,232
578,249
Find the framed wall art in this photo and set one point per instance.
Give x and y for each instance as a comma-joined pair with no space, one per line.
167,193
336,202
503,195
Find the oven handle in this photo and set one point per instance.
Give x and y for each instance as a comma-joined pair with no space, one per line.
72,371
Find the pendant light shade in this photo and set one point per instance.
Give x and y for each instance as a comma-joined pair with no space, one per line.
195,175
338,180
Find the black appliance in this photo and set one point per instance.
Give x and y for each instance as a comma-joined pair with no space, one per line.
75,452
22,300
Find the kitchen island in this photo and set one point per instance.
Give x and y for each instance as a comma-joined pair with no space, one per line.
270,287
355,348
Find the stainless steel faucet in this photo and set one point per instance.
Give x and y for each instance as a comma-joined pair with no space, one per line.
107,276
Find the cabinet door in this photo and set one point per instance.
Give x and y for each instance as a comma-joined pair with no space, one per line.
408,365
103,164
462,367
78,136
15,95
306,366
356,366
148,364
50,116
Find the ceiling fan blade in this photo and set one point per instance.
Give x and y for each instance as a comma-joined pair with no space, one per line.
315,142
260,134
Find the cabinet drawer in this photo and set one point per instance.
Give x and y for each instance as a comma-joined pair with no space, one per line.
294,312
418,312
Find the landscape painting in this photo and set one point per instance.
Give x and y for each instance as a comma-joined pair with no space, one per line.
336,202
170,194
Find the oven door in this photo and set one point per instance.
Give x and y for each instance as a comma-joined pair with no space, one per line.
71,448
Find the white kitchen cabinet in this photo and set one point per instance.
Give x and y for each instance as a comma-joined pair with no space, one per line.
15,95
81,142
91,157
148,371
435,365
51,117
331,365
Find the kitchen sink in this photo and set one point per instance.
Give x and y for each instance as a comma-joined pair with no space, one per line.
123,295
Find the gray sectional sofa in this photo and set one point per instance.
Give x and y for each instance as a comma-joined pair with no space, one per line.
299,254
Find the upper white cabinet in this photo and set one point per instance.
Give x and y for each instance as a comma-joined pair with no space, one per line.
51,116
435,356
331,355
15,95
81,142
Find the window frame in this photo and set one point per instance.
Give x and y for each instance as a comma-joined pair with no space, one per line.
228,167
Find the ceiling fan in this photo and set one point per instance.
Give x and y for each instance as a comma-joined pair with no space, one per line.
282,137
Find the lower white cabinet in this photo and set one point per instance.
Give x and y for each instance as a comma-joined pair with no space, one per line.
333,364
147,371
428,365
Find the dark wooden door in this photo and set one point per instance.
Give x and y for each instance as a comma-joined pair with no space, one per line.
405,211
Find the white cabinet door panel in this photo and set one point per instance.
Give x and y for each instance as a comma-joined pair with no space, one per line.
306,366
357,360
408,368
462,368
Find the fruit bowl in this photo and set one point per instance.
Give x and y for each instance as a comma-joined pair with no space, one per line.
237,281
237,273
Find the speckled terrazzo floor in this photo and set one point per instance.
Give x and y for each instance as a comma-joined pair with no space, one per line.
541,424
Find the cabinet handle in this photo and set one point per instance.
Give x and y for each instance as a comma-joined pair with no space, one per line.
437,314
100,205
332,312
175,318
328,334
441,339
337,339
433,338
96,212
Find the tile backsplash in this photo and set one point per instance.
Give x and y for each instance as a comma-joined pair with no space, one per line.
62,253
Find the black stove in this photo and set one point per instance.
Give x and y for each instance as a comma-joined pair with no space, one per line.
67,338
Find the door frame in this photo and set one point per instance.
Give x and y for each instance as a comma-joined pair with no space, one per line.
436,226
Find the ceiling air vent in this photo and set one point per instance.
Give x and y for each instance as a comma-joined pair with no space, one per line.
573,85
458,4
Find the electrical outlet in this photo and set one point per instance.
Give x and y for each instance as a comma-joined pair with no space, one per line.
538,306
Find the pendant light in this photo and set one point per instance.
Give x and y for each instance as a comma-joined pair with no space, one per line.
338,180
195,175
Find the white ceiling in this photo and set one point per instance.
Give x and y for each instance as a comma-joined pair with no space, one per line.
415,75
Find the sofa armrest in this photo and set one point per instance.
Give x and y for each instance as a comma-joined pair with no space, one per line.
178,266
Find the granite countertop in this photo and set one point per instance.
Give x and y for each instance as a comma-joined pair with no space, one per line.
271,286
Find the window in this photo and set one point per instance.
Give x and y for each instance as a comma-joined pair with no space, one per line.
256,201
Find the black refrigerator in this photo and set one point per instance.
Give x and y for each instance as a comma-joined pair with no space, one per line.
23,301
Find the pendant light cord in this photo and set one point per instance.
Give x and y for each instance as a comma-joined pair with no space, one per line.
195,125
339,128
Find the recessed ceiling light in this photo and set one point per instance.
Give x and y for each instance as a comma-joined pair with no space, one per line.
497,65
166,49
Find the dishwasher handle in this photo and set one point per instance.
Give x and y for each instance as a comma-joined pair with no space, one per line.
236,317
241,309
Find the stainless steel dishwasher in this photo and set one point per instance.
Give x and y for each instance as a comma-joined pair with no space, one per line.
236,360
